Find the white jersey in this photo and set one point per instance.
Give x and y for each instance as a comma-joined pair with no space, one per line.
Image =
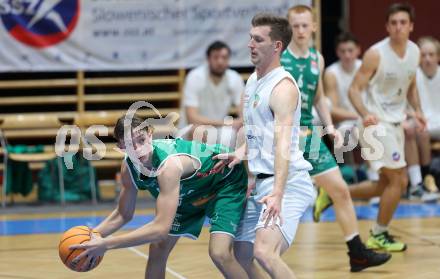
388,88
429,92
212,100
344,80
259,124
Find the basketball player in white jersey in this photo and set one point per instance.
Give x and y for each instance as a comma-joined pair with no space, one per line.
418,144
338,77
271,113
306,64
337,80
388,73
428,83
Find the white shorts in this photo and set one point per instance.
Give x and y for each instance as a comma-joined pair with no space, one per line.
383,145
298,195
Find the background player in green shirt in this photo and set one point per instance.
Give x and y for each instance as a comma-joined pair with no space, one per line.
179,175
306,65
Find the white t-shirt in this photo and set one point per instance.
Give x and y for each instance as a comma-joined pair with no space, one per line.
388,88
212,100
259,124
429,92
344,80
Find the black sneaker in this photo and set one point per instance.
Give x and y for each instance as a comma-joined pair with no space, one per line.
367,258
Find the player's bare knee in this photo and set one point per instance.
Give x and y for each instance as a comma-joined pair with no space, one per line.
264,257
340,193
160,250
404,182
221,255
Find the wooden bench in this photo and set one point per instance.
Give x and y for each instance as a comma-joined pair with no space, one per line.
85,99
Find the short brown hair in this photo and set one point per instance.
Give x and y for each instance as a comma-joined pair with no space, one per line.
401,7
299,9
346,37
279,27
216,46
118,132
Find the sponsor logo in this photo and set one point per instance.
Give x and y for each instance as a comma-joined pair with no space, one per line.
256,101
205,174
314,67
396,156
40,23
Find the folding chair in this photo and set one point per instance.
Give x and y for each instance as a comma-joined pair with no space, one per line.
29,125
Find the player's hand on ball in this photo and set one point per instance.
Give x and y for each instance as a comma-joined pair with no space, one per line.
94,249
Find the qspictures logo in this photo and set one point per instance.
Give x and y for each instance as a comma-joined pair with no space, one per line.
39,23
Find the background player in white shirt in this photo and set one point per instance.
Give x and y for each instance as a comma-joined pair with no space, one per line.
418,143
338,77
209,92
428,83
388,72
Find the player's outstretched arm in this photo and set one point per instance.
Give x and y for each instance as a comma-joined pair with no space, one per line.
319,101
166,206
125,208
156,230
283,101
370,64
338,113
414,101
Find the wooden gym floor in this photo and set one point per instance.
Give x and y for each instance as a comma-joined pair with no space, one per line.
27,251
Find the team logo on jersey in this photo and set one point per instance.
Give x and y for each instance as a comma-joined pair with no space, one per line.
396,156
300,67
39,23
285,60
256,101
314,67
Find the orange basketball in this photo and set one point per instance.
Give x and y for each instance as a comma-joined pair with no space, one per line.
75,235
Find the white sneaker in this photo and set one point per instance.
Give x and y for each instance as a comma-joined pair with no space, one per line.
430,197
419,193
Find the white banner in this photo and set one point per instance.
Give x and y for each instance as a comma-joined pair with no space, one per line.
65,35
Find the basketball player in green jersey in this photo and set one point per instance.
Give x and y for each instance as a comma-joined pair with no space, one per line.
179,176
306,65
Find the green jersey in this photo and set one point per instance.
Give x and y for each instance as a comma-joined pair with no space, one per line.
306,73
199,185
217,195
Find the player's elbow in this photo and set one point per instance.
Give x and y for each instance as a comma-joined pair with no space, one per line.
126,216
352,93
162,232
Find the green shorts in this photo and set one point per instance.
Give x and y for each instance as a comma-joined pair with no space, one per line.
224,208
317,154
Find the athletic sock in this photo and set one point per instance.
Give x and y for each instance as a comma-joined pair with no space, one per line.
378,229
425,171
355,244
415,175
